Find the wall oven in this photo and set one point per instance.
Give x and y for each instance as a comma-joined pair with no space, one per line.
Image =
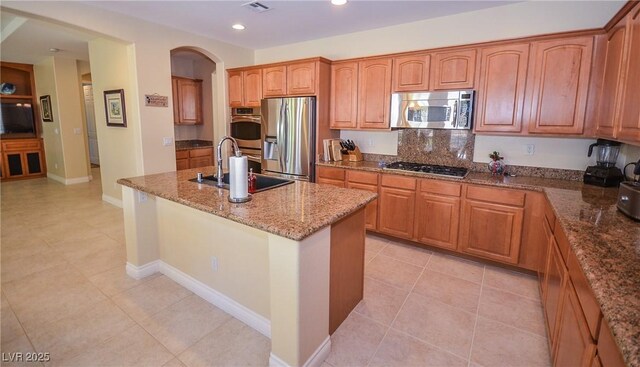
432,110
246,128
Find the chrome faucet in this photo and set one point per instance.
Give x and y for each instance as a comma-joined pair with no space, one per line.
236,152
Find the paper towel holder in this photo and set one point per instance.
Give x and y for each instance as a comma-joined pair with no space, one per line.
240,200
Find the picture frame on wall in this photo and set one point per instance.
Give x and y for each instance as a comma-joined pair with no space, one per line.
115,108
45,108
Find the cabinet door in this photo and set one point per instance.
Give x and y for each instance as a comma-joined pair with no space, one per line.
437,220
182,164
371,212
374,93
344,95
610,94
411,73
629,126
33,162
574,344
200,162
301,79
176,100
190,101
453,70
492,231
503,74
235,89
396,212
14,165
558,85
252,88
274,81
542,271
555,279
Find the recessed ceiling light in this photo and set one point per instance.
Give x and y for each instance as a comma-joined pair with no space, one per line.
238,27
338,2
53,49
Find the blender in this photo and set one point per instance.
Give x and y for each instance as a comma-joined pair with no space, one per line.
605,173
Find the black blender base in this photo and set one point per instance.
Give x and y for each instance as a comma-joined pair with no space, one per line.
603,176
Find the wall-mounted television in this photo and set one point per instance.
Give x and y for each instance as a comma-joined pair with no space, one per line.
16,117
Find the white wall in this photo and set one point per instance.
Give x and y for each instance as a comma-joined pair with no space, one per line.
504,22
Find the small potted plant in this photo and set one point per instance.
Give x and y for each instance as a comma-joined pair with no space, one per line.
496,166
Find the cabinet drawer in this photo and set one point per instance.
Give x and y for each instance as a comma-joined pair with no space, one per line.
363,177
493,195
329,181
331,173
439,187
182,154
21,145
587,300
399,182
200,162
206,152
182,164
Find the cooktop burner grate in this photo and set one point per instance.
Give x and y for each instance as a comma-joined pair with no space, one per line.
455,172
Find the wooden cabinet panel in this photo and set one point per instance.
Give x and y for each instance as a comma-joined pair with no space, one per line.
331,173
629,126
574,344
411,73
182,164
400,182
610,93
555,280
188,94
176,102
201,152
437,220
396,212
368,178
236,92
558,85
182,154
200,162
588,303
328,181
496,195
344,95
544,255
491,231
252,88
453,70
503,73
374,93
22,158
441,187
371,212
608,351
274,81
301,78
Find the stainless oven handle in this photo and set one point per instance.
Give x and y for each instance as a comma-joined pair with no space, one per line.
454,123
246,118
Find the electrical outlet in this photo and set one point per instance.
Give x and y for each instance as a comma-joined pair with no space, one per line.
56,131
77,130
531,149
214,263
142,197
55,165
166,141
370,142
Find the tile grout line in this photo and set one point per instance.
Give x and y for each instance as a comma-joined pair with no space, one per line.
19,323
475,325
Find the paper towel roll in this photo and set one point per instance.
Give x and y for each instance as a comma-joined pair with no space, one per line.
238,173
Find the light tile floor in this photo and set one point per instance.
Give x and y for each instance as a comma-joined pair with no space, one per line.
65,292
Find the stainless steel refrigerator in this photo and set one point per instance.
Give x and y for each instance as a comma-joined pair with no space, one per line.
288,137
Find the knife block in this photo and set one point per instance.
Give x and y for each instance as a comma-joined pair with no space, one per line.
355,155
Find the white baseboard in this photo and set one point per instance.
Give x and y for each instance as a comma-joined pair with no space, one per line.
68,181
228,305
111,200
139,272
316,359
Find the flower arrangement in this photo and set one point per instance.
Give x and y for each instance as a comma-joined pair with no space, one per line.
496,166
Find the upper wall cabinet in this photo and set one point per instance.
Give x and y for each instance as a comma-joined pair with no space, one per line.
274,81
558,85
374,93
453,70
610,93
187,97
301,78
503,75
411,73
344,95
245,88
629,124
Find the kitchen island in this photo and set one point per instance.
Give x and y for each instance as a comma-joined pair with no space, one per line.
289,263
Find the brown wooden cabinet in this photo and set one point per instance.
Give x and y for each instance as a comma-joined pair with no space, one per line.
344,95
558,85
610,93
554,284
574,345
367,181
453,69
22,158
629,123
274,81
301,78
374,93
245,88
437,216
396,205
503,75
411,73
187,97
330,176
194,158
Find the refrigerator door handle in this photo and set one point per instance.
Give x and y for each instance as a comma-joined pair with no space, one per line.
280,144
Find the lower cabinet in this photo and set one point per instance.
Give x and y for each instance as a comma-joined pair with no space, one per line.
330,176
194,158
22,158
367,181
396,205
554,285
574,345
437,220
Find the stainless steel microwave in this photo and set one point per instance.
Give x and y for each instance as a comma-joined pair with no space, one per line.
432,110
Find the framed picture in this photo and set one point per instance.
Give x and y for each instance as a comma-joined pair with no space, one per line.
45,108
114,108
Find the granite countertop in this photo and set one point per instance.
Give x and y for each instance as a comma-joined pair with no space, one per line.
294,211
193,144
605,241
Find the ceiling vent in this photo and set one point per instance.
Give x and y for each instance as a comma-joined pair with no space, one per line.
256,7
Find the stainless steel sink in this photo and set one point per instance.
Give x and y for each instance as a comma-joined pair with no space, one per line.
262,182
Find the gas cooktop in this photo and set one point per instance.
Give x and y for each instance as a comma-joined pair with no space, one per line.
454,172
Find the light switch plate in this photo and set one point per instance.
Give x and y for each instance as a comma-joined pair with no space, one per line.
77,130
167,141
